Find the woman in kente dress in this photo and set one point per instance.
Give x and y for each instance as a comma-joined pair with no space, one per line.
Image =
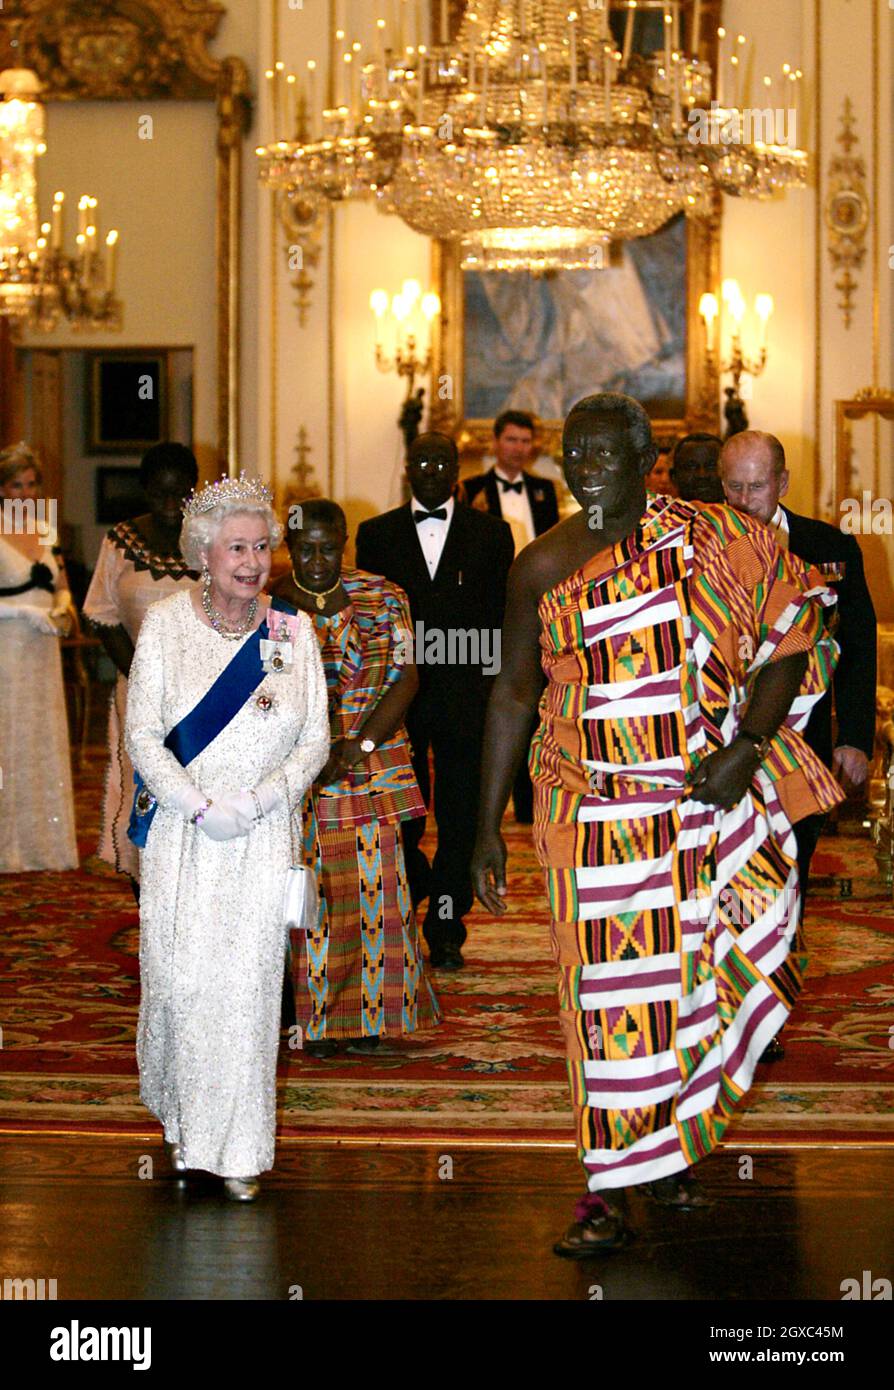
139,563
359,977
227,726
683,652
37,823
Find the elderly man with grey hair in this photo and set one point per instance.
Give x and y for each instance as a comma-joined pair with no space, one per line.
227,726
755,479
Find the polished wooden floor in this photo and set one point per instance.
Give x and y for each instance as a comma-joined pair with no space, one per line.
388,1222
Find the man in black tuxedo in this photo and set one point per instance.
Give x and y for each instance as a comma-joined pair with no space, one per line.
754,475
453,563
529,505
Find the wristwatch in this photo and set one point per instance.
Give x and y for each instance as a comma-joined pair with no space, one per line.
367,745
760,742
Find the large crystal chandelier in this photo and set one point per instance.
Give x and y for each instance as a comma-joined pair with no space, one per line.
530,138
39,283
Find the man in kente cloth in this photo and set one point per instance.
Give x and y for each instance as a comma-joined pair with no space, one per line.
683,652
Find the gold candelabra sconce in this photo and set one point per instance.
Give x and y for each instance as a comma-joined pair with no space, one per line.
404,333
738,363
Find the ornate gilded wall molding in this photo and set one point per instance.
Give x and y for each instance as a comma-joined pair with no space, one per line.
118,50
847,211
302,482
304,244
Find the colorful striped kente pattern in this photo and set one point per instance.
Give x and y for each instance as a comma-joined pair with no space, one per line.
360,973
673,921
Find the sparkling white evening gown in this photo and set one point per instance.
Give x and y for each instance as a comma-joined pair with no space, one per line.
37,826
212,941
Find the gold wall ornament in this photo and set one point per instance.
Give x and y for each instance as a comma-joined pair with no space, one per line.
304,244
847,211
301,485
122,50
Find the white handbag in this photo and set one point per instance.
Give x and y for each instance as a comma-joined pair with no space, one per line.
301,901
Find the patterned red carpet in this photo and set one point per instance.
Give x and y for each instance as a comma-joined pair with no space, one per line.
493,1071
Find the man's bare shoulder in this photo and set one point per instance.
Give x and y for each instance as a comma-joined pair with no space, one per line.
547,560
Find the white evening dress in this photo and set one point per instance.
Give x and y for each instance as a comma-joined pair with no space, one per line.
212,940
37,823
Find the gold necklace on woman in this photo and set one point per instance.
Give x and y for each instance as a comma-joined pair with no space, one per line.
312,593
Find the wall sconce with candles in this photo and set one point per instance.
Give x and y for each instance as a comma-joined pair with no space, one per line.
739,364
404,344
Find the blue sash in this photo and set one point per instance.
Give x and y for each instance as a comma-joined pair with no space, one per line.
210,716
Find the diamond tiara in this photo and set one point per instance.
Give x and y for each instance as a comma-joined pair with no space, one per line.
241,489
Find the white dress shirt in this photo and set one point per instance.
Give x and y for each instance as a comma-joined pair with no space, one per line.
779,526
433,534
516,509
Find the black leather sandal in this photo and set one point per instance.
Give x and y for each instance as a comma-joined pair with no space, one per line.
598,1228
680,1190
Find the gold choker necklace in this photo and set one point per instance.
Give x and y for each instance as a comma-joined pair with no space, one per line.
321,597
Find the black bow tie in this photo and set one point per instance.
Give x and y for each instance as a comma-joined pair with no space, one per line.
510,487
440,514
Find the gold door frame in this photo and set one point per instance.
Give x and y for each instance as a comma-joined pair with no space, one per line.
152,50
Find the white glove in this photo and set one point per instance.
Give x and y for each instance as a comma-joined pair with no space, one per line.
189,801
39,619
220,823
243,808
269,796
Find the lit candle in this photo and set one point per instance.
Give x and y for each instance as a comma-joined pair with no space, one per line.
708,309
420,87
696,27
628,33
420,32
278,69
607,67
676,79
522,19
763,306
572,20
675,35
668,25
58,200
311,99
380,42
721,35
83,202
740,82
291,107
444,28
111,258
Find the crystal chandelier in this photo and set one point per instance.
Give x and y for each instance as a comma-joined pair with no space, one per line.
530,138
39,283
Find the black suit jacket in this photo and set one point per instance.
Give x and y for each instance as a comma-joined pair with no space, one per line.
854,681
541,496
467,592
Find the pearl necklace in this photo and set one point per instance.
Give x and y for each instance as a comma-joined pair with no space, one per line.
218,622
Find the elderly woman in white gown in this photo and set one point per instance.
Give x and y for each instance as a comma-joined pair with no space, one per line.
226,730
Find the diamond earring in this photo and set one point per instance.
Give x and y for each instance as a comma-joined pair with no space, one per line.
206,575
